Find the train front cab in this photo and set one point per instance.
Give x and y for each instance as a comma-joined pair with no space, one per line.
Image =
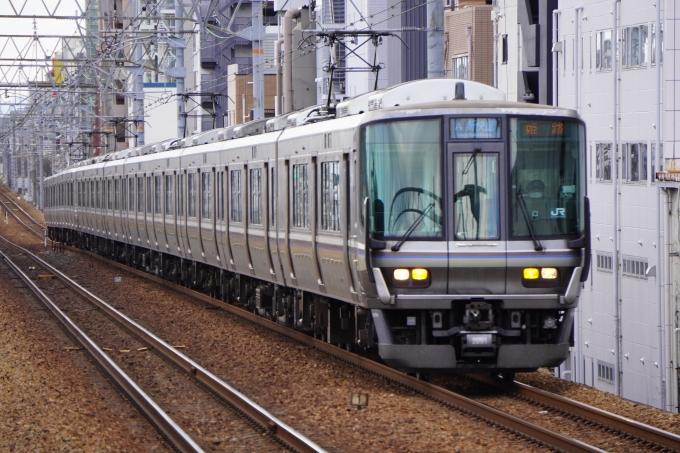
478,239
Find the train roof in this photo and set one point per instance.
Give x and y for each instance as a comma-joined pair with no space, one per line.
426,96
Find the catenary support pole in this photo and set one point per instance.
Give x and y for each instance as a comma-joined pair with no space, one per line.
435,40
180,70
258,74
615,193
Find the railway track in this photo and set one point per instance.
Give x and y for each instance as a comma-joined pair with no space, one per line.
639,434
12,207
194,391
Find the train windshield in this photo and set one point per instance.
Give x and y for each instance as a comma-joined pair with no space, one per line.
402,177
547,187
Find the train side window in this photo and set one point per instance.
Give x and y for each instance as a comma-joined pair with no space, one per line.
123,194
140,194
131,194
272,198
330,196
256,196
158,193
300,196
116,194
180,195
235,196
149,195
97,195
109,195
191,205
219,196
92,194
169,194
206,195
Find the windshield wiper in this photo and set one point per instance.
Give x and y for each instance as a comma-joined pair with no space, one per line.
525,213
471,160
397,246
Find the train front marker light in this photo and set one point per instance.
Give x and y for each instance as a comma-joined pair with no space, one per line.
531,273
420,274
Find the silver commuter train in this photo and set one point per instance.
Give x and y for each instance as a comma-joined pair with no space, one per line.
476,246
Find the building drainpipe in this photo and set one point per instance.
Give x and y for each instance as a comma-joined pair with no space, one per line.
293,13
578,340
279,81
615,189
556,15
468,36
577,10
659,273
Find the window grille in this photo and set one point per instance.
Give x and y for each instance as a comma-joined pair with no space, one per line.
605,372
635,267
604,261
459,67
300,196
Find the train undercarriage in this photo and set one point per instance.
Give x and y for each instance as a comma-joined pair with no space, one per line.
473,336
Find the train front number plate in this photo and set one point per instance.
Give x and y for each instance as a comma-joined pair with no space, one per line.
479,339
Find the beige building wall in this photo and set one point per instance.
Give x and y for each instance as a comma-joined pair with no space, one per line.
240,101
478,46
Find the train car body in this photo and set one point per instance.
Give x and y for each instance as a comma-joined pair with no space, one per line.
449,234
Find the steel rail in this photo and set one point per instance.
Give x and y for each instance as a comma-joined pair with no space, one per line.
35,222
617,422
154,413
268,422
40,236
495,417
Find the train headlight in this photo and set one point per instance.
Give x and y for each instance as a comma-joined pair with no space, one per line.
531,273
549,273
411,278
402,274
420,274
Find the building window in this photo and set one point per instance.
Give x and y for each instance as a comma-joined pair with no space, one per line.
235,196
661,162
459,67
603,165
653,51
191,199
169,194
604,261
505,50
635,162
334,12
158,187
300,196
206,196
603,51
605,372
634,46
330,196
635,267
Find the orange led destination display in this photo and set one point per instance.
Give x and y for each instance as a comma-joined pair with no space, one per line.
543,129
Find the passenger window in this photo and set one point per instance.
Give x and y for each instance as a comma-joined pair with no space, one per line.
149,195
206,196
169,194
123,194
109,195
256,196
158,191
300,196
219,197
131,194
272,198
330,196
191,207
98,194
116,194
140,194
235,200
180,195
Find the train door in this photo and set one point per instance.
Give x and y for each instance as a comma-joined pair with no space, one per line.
258,245
272,218
302,228
207,216
332,237
221,210
283,203
192,219
170,219
182,235
238,218
477,249
161,242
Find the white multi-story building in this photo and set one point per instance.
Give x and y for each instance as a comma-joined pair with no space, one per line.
604,65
